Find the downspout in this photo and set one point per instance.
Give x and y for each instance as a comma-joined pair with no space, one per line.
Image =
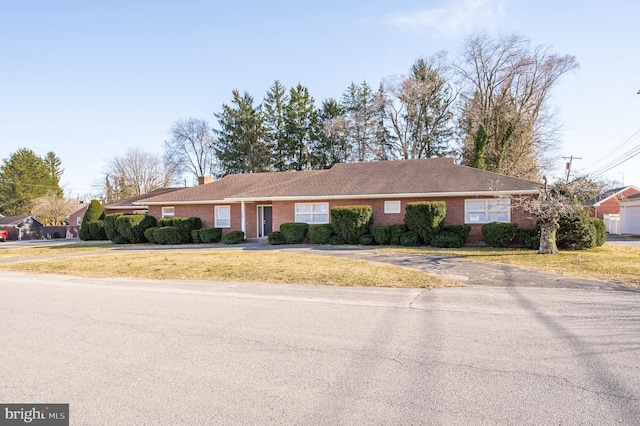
244,218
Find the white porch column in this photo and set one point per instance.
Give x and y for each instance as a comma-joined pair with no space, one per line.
244,219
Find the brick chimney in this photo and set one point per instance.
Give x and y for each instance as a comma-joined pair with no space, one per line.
204,180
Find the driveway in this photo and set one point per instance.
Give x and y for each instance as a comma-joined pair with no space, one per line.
123,351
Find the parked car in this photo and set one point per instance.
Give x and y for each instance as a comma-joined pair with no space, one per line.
3,234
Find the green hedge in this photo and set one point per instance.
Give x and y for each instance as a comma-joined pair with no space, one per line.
165,221
320,234
294,232
577,232
96,228
410,239
94,212
529,237
195,236
425,218
186,224
149,234
210,235
351,222
132,227
381,235
499,234
168,235
461,231
233,237
601,231
447,239
276,238
111,229
366,240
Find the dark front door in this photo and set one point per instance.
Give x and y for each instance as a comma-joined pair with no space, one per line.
265,220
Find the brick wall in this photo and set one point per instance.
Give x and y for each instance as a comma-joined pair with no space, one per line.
611,205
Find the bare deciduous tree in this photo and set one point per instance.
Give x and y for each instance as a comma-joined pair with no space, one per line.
192,146
52,209
505,120
418,109
136,173
550,205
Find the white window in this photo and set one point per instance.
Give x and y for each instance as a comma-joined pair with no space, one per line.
312,213
223,216
392,207
78,221
168,211
486,211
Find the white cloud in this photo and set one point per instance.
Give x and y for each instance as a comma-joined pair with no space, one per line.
461,17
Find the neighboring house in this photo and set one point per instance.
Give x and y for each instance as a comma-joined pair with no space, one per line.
259,203
21,227
75,218
609,201
127,205
630,215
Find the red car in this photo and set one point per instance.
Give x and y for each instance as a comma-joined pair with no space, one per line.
3,234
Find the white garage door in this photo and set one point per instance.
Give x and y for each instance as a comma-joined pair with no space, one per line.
630,218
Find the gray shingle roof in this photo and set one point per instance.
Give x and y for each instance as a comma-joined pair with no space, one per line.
605,195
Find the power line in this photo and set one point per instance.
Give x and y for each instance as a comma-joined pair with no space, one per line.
618,161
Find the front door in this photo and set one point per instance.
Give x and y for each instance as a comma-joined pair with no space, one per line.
265,221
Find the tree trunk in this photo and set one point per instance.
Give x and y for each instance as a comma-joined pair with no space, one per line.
548,238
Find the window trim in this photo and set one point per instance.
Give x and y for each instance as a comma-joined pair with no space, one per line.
78,221
387,210
507,202
216,214
167,215
312,213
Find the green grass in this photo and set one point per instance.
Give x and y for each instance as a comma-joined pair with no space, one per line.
611,262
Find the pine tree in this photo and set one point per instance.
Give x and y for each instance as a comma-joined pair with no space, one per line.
242,146
274,106
301,118
332,144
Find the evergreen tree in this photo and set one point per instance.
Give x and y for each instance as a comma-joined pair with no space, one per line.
242,146
24,177
359,104
332,144
301,120
94,212
274,106
53,164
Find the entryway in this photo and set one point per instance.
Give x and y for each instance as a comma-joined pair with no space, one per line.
265,221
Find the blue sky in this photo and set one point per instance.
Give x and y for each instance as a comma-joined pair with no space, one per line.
89,80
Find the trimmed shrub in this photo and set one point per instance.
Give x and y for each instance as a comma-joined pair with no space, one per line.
397,231
168,235
366,240
132,227
601,231
336,240
149,234
351,222
233,237
577,232
276,238
210,235
294,232
187,224
165,221
410,239
499,234
529,237
111,230
381,235
195,236
94,212
461,231
447,239
425,218
320,234
96,228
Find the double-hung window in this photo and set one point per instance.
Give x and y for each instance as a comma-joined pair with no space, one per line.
312,213
486,211
223,216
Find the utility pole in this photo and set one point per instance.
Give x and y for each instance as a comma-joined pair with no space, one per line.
571,158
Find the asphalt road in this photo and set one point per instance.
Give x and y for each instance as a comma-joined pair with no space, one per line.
124,352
